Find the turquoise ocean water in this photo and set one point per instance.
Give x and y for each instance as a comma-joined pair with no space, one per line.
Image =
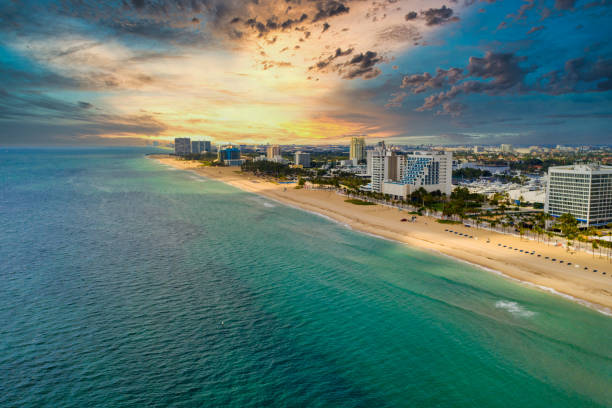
126,284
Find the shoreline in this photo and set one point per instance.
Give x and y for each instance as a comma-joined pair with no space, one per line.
485,251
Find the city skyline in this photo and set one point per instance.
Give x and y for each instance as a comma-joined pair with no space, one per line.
312,72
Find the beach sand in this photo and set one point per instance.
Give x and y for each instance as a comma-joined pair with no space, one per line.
585,286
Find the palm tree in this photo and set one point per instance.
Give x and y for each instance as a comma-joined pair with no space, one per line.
538,231
569,227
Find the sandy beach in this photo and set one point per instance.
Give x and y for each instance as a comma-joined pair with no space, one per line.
486,248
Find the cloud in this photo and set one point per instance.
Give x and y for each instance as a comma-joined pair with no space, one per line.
494,73
399,33
535,29
362,65
328,9
40,119
322,64
454,109
437,16
411,16
564,4
579,75
422,82
504,73
396,100
433,16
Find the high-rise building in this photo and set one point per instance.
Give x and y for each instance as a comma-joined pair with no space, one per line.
432,170
506,148
195,146
273,151
182,146
376,166
229,155
583,190
205,146
200,146
302,159
358,151
400,175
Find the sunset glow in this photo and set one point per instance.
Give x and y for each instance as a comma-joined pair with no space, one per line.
302,72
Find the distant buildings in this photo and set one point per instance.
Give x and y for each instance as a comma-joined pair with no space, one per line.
357,151
182,146
506,148
273,151
198,146
195,146
229,156
302,159
583,190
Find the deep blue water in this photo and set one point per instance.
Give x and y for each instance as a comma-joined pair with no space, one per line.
124,283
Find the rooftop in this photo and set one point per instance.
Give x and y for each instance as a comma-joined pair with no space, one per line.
584,167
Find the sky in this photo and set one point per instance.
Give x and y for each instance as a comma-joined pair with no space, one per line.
129,72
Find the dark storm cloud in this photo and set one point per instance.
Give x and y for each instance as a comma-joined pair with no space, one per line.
564,4
289,23
494,73
359,66
362,65
138,4
422,82
504,73
324,63
331,8
438,16
579,75
433,16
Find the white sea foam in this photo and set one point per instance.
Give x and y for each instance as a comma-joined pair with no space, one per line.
514,308
269,205
198,178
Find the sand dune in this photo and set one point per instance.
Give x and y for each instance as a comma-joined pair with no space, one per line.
485,249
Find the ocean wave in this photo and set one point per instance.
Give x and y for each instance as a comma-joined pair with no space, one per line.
514,308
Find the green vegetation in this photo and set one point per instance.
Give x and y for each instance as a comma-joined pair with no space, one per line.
200,156
315,176
358,202
270,168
